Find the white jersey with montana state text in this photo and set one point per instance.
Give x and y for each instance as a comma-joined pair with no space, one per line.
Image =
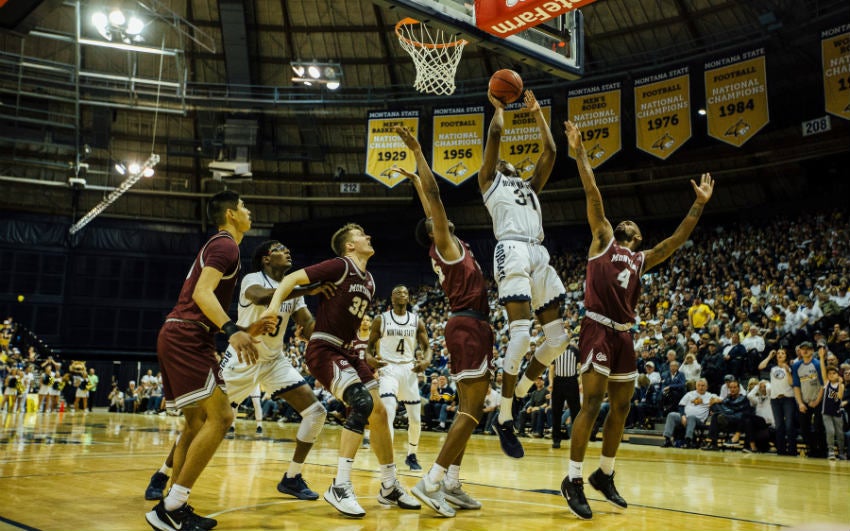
271,344
515,210
398,337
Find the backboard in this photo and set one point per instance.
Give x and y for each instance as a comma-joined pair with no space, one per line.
556,47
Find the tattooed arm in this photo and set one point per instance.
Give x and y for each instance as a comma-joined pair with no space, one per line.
663,250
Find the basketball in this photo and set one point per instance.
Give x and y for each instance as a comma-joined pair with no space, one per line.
506,86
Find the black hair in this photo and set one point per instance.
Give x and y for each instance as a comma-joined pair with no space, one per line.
219,204
261,252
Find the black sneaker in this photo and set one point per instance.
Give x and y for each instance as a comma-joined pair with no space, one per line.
259,430
573,491
180,519
156,487
296,487
508,439
412,462
604,483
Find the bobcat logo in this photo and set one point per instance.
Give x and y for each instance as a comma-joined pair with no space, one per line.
739,129
390,173
596,152
601,357
665,142
458,170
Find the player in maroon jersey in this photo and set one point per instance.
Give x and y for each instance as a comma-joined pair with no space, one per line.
186,352
331,360
469,337
614,268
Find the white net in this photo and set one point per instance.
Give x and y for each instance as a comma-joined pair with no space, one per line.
435,54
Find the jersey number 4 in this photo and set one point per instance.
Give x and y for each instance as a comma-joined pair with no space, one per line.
623,278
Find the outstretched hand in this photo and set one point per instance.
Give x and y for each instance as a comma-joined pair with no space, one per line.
497,103
407,173
531,104
705,188
573,135
407,137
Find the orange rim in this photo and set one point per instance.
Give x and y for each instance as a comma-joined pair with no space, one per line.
412,21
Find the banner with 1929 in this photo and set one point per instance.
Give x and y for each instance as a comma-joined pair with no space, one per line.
384,148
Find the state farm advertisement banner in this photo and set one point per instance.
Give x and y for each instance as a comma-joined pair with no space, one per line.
503,18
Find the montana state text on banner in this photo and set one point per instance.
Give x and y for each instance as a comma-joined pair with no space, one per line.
458,147
385,149
736,96
835,48
663,112
521,141
596,112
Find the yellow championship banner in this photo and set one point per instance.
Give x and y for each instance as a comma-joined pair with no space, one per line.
596,112
835,47
663,112
458,147
385,149
736,96
522,143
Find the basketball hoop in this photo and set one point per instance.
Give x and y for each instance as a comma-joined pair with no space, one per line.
434,54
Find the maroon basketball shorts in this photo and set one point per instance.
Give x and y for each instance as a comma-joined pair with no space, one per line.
470,344
607,351
186,354
336,369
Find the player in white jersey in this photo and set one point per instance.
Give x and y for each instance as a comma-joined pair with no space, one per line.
521,267
273,370
396,333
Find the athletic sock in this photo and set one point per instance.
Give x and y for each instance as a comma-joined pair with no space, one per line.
294,469
343,470
453,476
505,410
436,474
388,475
177,497
575,469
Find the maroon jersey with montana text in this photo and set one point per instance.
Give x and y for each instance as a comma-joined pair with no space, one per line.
340,315
221,252
461,280
613,283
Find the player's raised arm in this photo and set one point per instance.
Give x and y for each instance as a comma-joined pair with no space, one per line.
285,287
546,160
664,249
494,140
429,196
600,227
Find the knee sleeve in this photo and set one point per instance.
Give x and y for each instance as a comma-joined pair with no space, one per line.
360,401
518,345
555,344
312,421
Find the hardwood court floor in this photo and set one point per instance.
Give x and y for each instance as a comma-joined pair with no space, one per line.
89,472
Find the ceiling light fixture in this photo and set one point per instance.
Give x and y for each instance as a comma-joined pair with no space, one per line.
317,73
117,26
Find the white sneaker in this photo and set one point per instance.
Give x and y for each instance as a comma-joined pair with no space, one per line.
396,495
457,496
343,499
432,495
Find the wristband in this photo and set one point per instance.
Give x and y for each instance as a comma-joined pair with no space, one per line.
229,328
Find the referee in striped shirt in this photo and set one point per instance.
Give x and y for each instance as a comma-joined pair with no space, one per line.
563,381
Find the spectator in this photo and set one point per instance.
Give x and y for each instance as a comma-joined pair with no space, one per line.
696,406
731,416
808,391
